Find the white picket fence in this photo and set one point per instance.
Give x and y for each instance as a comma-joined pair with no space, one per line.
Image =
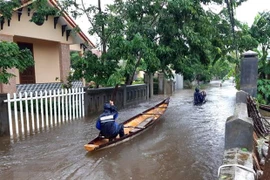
30,112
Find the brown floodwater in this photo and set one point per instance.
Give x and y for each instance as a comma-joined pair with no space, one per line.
187,144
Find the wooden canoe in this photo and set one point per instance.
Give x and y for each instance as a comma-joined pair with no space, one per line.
133,127
264,107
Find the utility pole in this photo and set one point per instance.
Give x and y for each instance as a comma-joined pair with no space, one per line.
102,30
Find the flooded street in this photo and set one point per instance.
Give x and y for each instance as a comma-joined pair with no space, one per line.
187,144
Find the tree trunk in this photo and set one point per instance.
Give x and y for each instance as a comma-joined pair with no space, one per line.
263,60
104,50
129,78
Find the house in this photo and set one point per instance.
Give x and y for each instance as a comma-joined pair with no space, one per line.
50,42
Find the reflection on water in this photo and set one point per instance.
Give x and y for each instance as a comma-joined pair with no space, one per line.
187,144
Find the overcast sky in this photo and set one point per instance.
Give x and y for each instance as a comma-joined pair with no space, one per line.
245,13
248,10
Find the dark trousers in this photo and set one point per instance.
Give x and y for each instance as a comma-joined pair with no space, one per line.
121,130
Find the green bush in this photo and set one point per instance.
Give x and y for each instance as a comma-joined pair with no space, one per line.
263,91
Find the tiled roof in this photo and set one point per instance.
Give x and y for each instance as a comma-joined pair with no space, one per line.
21,88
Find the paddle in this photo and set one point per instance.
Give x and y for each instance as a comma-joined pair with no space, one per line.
114,93
134,127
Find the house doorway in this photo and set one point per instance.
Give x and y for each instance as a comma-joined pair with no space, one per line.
28,75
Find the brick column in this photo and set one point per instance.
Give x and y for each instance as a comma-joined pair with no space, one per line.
64,61
11,87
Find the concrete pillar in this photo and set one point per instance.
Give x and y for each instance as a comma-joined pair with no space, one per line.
124,95
86,102
239,129
249,73
241,97
4,123
165,86
148,80
179,81
64,61
160,83
11,87
238,160
168,89
151,85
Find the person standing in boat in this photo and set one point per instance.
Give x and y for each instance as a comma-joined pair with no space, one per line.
199,97
106,123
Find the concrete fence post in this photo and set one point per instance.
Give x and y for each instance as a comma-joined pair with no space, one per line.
147,82
241,97
4,122
249,73
237,159
161,83
125,95
151,85
239,129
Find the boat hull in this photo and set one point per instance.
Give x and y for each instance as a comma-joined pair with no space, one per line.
133,127
265,107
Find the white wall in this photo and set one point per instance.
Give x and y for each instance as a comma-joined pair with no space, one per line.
179,81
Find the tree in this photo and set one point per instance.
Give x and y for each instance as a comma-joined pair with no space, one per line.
139,35
104,25
168,35
192,37
231,6
126,30
260,30
220,69
161,35
12,57
91,68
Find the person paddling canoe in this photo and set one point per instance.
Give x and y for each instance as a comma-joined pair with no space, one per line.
106,123
199,97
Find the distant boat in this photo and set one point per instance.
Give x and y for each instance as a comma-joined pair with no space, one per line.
204,99
132,127
264,107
